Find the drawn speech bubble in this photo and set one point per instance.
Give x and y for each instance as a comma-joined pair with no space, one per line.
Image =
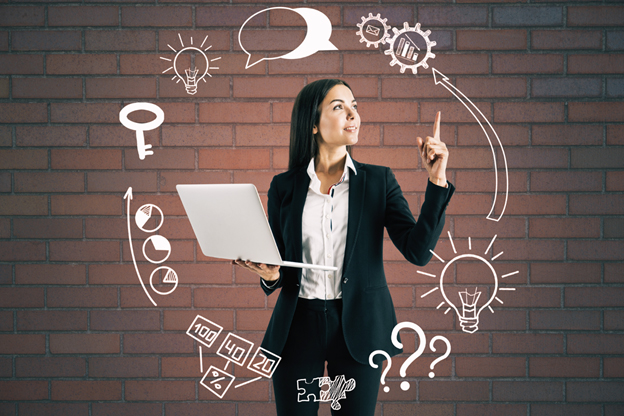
317,36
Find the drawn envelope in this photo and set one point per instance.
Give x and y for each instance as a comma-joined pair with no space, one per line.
372,30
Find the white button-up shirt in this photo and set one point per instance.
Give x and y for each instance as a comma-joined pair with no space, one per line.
324,231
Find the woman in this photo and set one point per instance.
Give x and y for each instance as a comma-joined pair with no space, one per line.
329,209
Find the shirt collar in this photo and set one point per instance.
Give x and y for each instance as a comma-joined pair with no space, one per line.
315,183
348,164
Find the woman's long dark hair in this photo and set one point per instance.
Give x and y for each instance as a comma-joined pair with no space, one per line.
305,116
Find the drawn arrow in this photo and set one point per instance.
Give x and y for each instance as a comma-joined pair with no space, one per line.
128,196
440,78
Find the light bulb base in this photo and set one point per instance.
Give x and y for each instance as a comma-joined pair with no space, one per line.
469,325
191,89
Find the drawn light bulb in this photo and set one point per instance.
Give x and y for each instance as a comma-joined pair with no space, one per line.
465,302
189,76
468,312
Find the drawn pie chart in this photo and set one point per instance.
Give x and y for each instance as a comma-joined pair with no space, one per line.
146,213
159,244
171,277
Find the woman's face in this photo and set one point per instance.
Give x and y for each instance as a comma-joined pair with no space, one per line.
339,123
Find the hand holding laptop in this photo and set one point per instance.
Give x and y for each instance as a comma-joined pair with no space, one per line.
268,272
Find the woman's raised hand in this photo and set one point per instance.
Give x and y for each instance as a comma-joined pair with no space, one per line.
268,272
434,154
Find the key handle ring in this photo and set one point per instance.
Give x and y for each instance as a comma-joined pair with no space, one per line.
141,127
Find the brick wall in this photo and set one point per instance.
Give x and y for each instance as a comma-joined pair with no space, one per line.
78,336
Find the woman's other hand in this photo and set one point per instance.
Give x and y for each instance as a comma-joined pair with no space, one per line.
268,272
434,154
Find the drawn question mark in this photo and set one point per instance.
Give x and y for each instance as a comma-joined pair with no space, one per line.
374,365
422,342
446,354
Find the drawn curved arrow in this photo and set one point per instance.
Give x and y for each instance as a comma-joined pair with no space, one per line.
128,196
440,79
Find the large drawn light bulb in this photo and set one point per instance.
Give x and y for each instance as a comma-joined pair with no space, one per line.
468,312
189,75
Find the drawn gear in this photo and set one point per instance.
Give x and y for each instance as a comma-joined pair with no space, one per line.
365,21
424,35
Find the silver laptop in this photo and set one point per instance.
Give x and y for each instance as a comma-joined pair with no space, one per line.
229,223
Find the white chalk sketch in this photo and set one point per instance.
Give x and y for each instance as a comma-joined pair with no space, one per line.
157,242
235,349
128,196
422,343
217,381
385,371
189,76
204,330
264,362
469,309
441,79
373,30
171,277
160,244
443,356
142,148
410,48
337,390
146,213
201,360
319,30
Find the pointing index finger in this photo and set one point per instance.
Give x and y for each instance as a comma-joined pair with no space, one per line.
436,126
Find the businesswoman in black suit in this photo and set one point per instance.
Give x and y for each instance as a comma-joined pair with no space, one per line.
329,209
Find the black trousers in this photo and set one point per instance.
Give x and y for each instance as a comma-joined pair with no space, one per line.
316,337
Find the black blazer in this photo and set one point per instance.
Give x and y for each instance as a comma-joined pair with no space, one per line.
375,202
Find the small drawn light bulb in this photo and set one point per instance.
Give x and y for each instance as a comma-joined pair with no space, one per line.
190,78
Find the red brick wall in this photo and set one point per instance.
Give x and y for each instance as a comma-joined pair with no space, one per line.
79,337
